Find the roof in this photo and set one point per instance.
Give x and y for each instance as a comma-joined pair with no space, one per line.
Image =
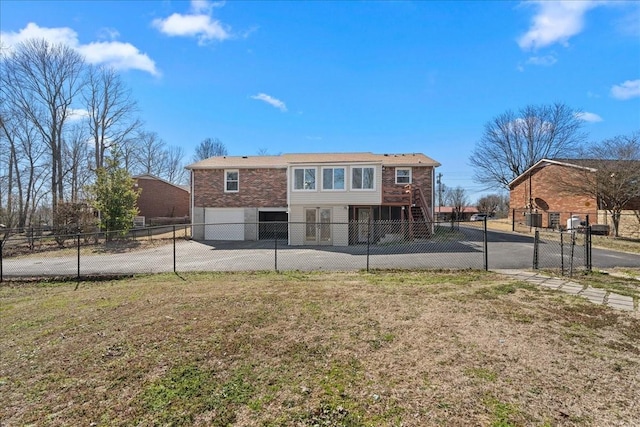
156,178
284,160
449,209
572,163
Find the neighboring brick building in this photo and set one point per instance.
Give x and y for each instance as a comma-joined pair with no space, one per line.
314,196
542,190
161,199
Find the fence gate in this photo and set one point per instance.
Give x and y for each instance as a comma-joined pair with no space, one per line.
565,252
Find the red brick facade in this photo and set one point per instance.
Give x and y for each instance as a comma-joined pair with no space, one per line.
420,177
259,188
161,199
543,190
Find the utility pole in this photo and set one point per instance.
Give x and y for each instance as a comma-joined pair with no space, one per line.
439,181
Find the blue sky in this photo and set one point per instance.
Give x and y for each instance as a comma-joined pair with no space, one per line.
352,76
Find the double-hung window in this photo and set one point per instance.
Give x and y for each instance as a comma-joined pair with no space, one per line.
333,178
403,175
231,181
304,179
362,178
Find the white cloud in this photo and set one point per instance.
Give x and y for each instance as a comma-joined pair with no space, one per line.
123,56
197,24
545,61
63,35
589,117
271,101
627,90
555,22
76,114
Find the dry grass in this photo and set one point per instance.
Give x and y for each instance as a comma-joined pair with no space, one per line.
330,349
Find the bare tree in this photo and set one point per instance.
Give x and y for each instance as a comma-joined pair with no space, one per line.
494,204
513,142
24,165
456,198
209,147
42,81
112,111
610,173
150,154
174,168
77,172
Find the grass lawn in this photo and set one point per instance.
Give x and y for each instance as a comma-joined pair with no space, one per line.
314,349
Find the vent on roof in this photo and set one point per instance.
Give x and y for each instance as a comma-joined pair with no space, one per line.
244,157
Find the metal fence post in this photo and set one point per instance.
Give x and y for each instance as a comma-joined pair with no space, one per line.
513,220
587,244
174,248
1,256
275,246
368,242
486,246
536,242
78,252
561,253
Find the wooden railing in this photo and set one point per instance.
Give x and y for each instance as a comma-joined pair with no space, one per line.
399,196
421,201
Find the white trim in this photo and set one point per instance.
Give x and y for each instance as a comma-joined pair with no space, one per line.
404,169
373,180
304,169
333,168
226,181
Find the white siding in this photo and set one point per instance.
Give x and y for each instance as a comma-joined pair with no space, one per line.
340,230
339,226
319,197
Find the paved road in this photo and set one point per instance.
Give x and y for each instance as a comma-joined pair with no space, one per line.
505,251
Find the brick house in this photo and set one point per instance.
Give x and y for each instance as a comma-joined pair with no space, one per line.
445,213
540,191
321,199
161,199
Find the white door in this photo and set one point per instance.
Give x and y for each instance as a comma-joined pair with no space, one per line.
317,227
224,224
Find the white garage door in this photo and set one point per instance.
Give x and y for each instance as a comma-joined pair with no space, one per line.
224,224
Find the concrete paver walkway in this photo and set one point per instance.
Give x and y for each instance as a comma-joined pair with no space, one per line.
595,295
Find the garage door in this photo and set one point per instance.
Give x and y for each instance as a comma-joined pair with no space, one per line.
224,224
273,224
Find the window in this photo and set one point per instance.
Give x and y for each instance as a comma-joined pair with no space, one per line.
304,179
554,220
362,178
231,181
403,175
333,179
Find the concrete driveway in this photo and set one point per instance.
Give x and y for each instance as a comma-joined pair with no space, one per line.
505,251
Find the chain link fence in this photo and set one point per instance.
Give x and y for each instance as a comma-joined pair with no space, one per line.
601,221
564,252
259,246
282,246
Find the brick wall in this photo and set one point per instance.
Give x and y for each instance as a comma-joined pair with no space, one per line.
160,199
257,188
420,176
548,196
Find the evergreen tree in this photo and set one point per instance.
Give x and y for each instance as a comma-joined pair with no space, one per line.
114,197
